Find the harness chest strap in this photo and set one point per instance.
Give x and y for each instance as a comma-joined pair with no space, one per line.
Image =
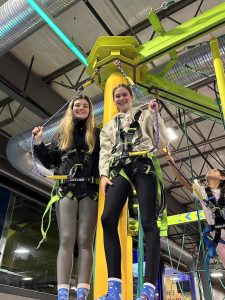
127,137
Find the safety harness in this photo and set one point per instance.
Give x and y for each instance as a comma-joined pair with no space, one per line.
72,185
145,162
217,207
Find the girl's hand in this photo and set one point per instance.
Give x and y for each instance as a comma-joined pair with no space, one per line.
153,105
37,134
104,182
170,158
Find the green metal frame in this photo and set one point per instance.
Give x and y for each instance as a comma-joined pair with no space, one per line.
182,34
181,96
134,57
189,217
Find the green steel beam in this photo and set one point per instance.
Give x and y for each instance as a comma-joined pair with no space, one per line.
185,218
133,58
181,96
189,217
182,34
156,24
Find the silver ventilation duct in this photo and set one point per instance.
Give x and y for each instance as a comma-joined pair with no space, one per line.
18,20
193,66
176,251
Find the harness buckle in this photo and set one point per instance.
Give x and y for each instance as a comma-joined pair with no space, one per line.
73,170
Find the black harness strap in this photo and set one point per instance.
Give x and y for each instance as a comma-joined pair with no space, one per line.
127,137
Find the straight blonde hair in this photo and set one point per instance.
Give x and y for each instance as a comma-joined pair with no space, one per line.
66,127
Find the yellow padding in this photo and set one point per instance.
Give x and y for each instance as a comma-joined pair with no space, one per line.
100,274
138,153
57,177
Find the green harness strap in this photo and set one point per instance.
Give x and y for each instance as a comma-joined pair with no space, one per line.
163,219
48,210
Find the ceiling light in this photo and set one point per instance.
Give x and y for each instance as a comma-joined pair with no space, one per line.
175,278
27,278
216,274
73,288
172,134
21,250
40,10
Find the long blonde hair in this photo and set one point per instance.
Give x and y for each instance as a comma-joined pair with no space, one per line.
66,127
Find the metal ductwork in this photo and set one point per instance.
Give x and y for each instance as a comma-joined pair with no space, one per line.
19,147
189,66
176,251
18,20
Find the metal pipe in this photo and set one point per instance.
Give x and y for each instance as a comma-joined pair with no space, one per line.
18,20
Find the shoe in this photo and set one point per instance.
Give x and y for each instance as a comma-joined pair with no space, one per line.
114,290
63,294
82,294
147,293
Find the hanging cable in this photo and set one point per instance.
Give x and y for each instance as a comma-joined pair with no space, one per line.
209,287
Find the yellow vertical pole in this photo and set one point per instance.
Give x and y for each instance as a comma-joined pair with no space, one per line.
101,274
218,65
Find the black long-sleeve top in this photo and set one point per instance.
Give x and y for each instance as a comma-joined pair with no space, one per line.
63,161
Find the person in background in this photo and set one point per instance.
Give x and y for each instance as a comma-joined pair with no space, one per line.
212,199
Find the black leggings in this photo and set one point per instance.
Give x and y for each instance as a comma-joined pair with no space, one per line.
116,197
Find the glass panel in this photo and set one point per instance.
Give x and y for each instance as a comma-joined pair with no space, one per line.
177,285
23,265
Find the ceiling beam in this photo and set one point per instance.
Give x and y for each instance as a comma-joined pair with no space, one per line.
188,137
196,156
97,16
6,101
38,97
162,14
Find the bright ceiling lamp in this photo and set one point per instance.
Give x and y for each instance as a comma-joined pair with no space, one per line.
172,134
27,278
21,250
175,278
40,10
216,274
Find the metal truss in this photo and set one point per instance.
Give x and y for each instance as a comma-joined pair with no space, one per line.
6,104
134,30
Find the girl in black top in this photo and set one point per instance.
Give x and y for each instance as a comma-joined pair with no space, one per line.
74,151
